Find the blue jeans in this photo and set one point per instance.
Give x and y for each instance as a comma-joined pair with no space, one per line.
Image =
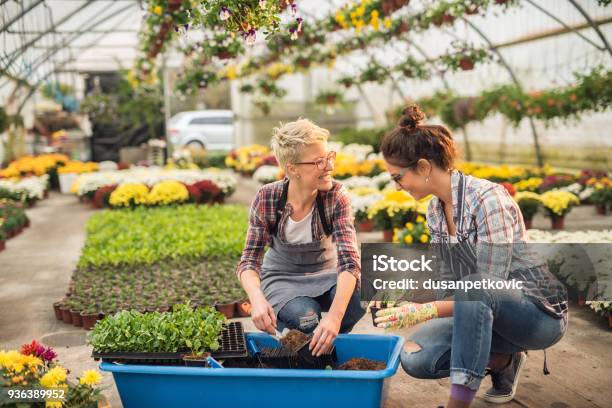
484,321
304,313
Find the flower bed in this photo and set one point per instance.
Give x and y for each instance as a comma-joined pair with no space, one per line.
27,190
151,259
153,187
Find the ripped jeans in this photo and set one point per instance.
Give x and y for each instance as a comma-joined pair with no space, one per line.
484,322
304,313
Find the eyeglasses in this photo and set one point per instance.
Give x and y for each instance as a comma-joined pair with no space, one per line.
322,162
397,177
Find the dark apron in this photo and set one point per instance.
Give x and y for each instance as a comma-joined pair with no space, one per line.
294,270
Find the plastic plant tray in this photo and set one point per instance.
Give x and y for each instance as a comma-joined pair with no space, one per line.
187,387
233,345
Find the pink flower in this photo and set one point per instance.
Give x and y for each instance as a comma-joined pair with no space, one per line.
224,14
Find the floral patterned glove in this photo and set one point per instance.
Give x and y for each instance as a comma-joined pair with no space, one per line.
405,316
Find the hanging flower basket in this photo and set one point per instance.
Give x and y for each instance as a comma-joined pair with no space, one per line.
466,64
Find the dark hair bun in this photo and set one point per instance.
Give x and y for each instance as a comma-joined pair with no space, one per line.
412,116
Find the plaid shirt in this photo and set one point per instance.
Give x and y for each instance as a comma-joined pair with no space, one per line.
492,224
337,210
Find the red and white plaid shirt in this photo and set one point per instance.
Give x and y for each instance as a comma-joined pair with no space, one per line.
492,224
337,205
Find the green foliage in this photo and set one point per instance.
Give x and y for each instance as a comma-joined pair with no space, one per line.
126,110
371,137
149,235
182,329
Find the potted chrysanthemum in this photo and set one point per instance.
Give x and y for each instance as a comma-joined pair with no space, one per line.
558,204
529,203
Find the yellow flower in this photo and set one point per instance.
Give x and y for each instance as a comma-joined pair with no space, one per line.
420,219
408,239
424,238
157,10
53,404
168,192
559,202
53,377
90,377
129,194
387,22
409,226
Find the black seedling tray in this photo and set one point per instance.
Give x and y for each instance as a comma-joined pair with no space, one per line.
232,343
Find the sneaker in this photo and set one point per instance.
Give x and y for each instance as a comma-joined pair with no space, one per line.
505,381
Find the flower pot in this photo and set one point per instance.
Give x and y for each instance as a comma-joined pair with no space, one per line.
365,226
581,300
558,223
373,311
466,64
388,235
76,318
2,245
66,315
610,320
27,223
57,310
243,309
227,309
601,209
46,194
528,224
89,320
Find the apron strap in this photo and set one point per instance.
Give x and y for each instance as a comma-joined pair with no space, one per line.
280,207
460,201
321,209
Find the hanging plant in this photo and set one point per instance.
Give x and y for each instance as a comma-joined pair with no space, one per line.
374,73
246,17
347,81
269,88
222,46
411,68
247,88
465,57
330,98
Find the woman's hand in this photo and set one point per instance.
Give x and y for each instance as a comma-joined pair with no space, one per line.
262,314
325,334
405,316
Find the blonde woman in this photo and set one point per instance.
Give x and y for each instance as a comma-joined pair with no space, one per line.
312,264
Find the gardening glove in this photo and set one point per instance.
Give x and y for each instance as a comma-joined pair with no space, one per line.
405,316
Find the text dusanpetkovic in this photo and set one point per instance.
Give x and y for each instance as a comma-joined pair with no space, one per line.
433,284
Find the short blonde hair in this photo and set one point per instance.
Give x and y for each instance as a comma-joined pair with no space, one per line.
288,139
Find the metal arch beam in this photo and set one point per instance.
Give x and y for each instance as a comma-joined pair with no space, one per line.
566,26
592,24
16,53
66,61
67,42
504,63
20,15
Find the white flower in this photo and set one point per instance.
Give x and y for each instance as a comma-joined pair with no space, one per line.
266,174
27,188
262,3
359,181
224,14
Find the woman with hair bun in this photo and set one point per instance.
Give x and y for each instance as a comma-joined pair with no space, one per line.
479,227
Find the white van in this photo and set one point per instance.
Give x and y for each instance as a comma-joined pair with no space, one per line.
206,129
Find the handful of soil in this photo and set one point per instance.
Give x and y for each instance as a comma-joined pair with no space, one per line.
362,364
294,339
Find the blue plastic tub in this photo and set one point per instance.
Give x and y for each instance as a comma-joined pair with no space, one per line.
184,387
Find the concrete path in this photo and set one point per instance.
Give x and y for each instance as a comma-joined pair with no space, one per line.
37,265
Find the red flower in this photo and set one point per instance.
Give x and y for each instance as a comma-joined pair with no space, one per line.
509,188
38,350
102,195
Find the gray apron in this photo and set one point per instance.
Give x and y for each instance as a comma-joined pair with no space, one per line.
294,270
